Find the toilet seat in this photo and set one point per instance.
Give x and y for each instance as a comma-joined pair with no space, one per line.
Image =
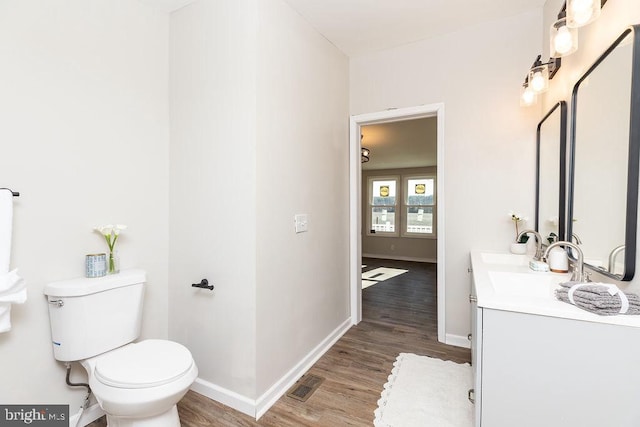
148,363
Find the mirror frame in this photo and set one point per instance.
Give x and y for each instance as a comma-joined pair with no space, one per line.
633,157
562,105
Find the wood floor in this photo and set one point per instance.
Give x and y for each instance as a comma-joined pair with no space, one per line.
398,315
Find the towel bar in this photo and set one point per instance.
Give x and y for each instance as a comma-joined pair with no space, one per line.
14,193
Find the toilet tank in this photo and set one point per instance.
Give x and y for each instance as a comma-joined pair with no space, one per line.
91,316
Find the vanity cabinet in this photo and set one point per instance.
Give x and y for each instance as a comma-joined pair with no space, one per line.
535,370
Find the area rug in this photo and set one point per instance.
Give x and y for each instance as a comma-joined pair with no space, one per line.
367,283
425,392
382,273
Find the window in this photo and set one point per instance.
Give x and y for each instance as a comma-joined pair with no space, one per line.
407,211
383,201
419,206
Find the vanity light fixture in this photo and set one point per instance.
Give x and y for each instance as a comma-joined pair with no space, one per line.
564,39
582,12
527,96
541,72
537,80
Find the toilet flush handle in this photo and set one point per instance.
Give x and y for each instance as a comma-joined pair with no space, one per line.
57,302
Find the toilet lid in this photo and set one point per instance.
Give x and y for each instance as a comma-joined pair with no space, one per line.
148,363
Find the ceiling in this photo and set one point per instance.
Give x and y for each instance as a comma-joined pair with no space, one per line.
360,26
404,144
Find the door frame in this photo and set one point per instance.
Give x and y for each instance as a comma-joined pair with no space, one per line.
355,203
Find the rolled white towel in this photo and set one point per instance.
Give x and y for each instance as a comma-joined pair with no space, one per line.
12,291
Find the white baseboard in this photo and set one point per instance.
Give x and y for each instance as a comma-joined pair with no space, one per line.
257,408
89,415
271,396
226,397
401,258
457,340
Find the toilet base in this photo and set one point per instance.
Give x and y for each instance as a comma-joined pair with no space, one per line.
166,419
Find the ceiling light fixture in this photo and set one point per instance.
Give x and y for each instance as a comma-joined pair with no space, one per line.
364,152
364,155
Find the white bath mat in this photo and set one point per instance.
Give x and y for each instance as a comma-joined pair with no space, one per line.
367,283
382,273
425,392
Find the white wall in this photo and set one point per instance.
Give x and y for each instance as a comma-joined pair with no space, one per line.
84,138
213,189
302,167
489,165
259,108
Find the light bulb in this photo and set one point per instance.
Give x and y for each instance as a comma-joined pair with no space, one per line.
582,12
537,81
563,42
582,17
528,96
581,6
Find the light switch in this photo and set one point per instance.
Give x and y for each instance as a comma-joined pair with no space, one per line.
302,223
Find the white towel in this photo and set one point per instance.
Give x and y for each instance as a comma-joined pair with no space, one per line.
12,290
6,220
12,287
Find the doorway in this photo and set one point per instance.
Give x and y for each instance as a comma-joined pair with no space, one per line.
355,196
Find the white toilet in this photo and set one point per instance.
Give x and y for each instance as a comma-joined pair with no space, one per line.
94,322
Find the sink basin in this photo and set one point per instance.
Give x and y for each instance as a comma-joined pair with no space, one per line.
504,259
540,285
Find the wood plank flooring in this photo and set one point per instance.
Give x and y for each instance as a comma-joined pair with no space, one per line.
399,315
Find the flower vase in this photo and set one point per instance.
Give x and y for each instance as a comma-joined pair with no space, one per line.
113,266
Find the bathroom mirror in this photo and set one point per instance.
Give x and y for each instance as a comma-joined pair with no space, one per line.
605,138
551,149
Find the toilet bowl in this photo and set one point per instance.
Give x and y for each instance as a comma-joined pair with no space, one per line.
96,322
139,384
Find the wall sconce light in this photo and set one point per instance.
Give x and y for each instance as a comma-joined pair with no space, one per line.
541,72
582,12
364,155
537,80
564,39
527,97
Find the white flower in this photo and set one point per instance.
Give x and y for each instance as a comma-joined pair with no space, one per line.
118,228
110,233
105,230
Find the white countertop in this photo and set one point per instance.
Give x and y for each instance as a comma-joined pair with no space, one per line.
533,299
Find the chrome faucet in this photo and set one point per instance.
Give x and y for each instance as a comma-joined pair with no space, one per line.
577,239
578,268
612,257
538,255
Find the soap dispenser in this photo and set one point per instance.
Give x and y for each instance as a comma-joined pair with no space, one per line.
558,260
